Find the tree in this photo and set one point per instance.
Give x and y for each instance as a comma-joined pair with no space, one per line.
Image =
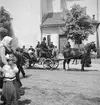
78,25
5,23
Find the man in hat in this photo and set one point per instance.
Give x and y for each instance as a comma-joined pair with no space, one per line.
44,47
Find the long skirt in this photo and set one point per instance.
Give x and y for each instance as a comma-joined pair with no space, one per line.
10,92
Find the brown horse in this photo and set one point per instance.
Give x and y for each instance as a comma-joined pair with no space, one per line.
83,54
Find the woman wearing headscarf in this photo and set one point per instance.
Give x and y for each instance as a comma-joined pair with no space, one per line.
5,48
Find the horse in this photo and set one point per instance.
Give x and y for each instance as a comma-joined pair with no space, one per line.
72,53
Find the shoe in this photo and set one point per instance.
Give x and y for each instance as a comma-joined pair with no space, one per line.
24,76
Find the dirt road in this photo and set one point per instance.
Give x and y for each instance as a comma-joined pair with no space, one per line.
59,87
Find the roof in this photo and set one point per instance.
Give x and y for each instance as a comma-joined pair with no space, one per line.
52,19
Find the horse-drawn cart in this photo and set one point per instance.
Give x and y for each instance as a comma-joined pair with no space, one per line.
52,62
47,61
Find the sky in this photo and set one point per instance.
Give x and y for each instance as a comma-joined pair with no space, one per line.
26,17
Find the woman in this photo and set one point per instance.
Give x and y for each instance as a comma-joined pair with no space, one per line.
5,45
5,48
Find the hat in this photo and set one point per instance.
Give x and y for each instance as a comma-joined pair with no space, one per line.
44,38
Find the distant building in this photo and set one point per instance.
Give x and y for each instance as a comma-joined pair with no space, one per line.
51,22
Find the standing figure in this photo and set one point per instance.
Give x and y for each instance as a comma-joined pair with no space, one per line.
38,49
51,47
10,93
19,62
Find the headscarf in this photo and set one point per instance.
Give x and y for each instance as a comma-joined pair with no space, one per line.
6,40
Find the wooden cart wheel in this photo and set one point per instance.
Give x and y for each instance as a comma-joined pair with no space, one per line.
56,64
48,64
41,60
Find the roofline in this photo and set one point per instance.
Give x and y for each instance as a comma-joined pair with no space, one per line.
52,25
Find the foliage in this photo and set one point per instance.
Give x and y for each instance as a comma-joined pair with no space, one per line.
78,25
5,23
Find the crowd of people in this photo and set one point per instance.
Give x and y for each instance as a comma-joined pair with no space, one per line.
41,49
11,64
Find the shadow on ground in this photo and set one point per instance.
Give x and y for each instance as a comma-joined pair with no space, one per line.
26,76
85,70
22,90
24,102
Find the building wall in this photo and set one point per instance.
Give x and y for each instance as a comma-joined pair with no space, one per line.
58,5
54,34
47,6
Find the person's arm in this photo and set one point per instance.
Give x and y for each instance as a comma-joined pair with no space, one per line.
3,58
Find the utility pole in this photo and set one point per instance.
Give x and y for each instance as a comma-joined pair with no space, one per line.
97,33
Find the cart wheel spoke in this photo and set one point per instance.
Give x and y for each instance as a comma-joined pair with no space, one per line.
41,60
56,64
48,64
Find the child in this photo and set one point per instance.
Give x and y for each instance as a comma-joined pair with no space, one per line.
10,92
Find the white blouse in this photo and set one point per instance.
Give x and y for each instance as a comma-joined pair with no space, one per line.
9,72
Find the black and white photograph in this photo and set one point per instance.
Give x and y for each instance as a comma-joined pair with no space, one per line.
49,52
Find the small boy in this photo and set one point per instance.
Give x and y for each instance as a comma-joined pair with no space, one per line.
9,92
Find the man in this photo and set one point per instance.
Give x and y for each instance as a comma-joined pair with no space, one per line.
38,45
19,62
44,47
31,48
66,47
38,49
24,49
51,47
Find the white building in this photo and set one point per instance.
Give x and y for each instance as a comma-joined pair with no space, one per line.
51,20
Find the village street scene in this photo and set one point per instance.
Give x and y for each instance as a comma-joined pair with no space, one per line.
50,52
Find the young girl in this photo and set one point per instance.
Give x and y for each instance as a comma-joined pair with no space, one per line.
10,92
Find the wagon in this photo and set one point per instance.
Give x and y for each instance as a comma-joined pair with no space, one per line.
48,62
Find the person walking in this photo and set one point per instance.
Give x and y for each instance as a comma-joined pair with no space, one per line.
38,49
19,62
